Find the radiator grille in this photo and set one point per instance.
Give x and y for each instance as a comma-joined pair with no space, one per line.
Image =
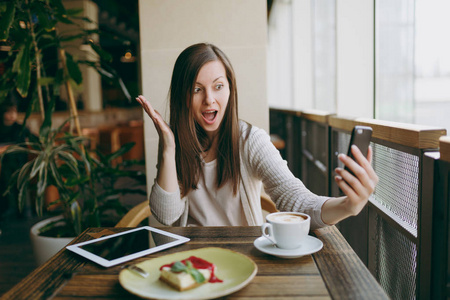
395,261
397,189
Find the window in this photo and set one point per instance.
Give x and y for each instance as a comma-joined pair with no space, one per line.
412,80
324,44
301,60
432,63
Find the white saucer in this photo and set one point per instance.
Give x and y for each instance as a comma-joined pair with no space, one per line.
311,246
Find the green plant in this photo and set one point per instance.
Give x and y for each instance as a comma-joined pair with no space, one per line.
86,181
39,60
99,187
37,65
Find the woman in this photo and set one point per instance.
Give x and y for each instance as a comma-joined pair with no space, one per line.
211,165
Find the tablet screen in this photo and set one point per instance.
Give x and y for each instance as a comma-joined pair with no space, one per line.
124,246
127,244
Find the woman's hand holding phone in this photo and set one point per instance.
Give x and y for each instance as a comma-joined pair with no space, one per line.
358,179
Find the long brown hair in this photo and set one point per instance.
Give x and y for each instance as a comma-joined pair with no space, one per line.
190,138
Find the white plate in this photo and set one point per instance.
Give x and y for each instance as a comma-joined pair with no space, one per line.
235,269
310,246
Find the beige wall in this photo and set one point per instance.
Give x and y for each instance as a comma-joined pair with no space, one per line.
167,27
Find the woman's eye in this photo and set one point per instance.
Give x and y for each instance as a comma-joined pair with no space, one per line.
219,86
196,90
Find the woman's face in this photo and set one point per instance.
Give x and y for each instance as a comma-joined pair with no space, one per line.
211,94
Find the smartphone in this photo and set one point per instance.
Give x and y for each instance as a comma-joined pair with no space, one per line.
361,136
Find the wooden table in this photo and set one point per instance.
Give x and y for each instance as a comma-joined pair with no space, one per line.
333,272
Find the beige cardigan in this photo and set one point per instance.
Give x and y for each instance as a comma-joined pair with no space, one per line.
261,164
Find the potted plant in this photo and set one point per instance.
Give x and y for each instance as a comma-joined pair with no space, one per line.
39,62
37,66
86,182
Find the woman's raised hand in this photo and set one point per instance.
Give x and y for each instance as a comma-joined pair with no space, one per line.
360,186
165,133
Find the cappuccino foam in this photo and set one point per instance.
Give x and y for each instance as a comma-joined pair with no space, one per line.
286,218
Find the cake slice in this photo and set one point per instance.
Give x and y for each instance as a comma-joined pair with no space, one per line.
188,273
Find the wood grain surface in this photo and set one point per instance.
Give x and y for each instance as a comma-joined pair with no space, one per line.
410,135
444,148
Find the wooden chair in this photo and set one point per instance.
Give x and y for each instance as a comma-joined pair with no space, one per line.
142,211
93,134
267,204
135,216
111,138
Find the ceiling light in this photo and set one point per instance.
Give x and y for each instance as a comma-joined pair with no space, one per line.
128,57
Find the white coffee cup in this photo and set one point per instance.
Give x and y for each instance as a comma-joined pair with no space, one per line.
286,230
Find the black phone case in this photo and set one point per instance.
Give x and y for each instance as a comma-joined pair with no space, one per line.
361,136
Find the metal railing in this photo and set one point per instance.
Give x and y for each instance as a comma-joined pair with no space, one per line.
393,234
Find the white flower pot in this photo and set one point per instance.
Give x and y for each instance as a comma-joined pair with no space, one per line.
45,247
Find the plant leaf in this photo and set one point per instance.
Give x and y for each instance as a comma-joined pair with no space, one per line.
73,69
22,195
38,204
58,6
43,16
60,128
50,225
71,182
75,211
38,165
103,54
22,66
6,20
63,19
124,89
74,11
46,80
46,127
56,174
71,37
50,39
71,162
23,175
19,148
42,181
103,72
118,80
122,150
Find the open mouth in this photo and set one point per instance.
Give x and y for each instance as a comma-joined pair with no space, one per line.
209,116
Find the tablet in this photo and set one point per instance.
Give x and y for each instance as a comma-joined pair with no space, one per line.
124,246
